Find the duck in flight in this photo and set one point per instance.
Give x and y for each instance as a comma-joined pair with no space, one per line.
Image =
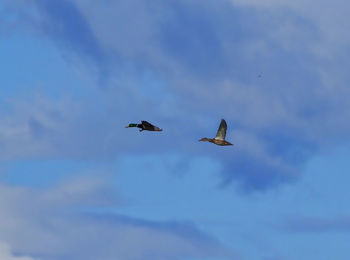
220,135
145,126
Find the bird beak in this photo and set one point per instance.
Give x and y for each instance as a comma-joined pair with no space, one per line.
127,126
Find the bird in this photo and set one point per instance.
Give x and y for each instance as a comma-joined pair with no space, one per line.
220,135
145,126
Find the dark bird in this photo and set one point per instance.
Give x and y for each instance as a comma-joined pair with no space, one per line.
220,135
145,126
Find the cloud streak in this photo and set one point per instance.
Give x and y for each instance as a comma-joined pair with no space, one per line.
48,225
6,254
318,224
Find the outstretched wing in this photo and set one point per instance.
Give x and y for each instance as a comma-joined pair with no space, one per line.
221,134
146,124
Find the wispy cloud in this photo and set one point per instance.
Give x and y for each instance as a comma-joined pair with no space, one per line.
7,254
330,20
318,224
47,224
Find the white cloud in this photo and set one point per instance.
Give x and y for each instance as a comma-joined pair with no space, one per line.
331,18
28,129
49,224
6,254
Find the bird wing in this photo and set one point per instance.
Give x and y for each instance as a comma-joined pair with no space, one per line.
221,134
146,124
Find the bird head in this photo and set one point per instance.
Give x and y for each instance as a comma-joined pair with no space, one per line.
131,125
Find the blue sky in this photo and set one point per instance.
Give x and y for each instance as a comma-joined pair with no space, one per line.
76,184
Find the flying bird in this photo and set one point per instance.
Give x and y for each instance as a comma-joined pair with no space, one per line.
220,135
145,126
